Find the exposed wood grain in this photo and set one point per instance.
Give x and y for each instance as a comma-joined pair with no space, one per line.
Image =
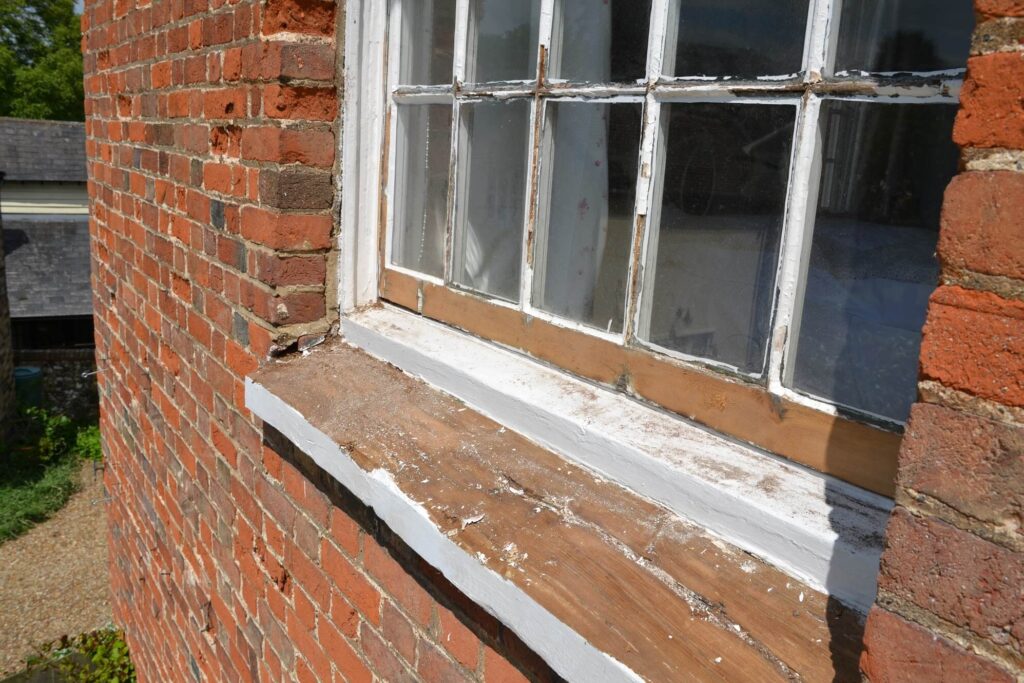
643,585
859,453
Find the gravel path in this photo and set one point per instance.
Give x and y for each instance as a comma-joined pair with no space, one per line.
53,580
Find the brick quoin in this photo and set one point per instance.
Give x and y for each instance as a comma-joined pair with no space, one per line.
950,606
212,135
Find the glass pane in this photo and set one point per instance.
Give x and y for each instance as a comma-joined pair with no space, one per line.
492,171
726,170
504,47
583,257
872,262
421,193
428,42
740,38
905,35
601,41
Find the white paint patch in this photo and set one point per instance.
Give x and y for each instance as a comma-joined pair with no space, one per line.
820,530
565,650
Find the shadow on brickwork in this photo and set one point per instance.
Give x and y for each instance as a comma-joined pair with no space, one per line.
488,629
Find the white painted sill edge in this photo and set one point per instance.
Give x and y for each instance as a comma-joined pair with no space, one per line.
820,530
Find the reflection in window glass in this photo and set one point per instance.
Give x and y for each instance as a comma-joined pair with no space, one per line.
600,41
740,38
583,257
726,169
421,201
492,171
505,39
905,35
428,42
872,265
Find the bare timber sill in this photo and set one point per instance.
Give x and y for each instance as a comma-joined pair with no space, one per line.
600,582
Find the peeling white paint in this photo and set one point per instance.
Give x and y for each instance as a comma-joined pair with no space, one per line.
565,650
816,528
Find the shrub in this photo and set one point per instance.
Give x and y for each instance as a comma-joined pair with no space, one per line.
95,657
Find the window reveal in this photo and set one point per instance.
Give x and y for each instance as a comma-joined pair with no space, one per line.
741,184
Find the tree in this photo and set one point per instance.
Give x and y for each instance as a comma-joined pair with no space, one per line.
40,60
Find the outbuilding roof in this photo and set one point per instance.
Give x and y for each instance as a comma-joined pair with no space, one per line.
42,151
48,267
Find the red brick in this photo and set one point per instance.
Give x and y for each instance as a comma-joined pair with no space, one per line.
458,640
897,651
300,102
992,102
286,231
1000,8
277,270
299,16
982,228
969,582
396,581
229,103
972,464
398,632
356,588
497,669
434,667
974,341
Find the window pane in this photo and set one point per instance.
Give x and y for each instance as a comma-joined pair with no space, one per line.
872,265
722,208
583,257
740,38
506,40
428,42
905,35
601,41
492,172
421,201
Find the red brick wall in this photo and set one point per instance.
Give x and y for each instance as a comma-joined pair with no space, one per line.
951,588
212,130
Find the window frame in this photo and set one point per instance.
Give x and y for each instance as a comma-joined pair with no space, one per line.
793,424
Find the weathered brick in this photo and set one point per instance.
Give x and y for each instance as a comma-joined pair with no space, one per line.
982,228
992,102
974,341
1000,8
297,187
971,582
970,463
299,16
897,651
300,102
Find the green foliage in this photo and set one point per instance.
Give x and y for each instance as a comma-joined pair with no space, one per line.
95,657
39,468
40,60
88,444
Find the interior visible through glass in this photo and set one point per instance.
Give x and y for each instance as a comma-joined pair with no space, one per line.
428,42
739,38
600,41
492,176
421,206
905,35
585,235
505,35
726,169
872,262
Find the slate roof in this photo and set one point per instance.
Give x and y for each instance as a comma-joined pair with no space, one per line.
48,266
42,151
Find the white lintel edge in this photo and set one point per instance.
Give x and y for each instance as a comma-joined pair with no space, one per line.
818,529
565,650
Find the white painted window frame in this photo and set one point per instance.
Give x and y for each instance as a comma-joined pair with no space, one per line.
373,95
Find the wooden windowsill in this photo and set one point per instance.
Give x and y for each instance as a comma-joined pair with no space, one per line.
600,582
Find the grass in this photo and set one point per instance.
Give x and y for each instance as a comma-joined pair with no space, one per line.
39,468
95,657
